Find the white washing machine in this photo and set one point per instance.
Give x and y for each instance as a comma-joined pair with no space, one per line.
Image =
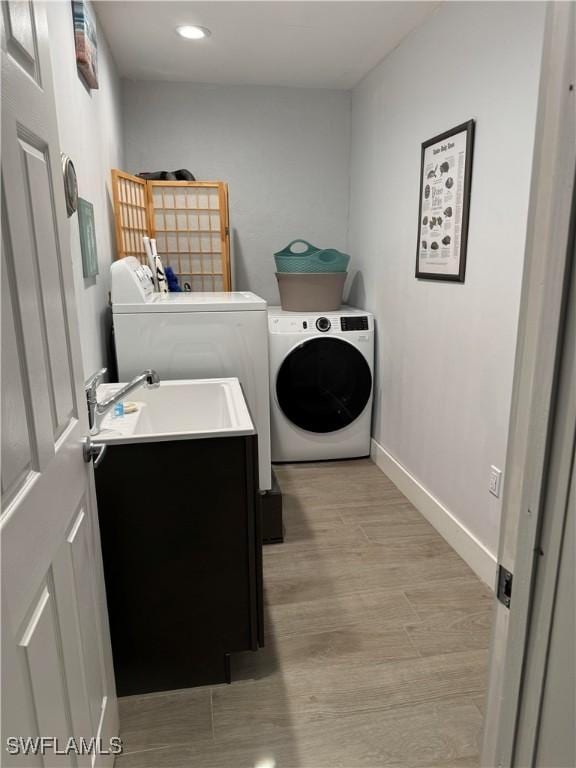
194,336
321,376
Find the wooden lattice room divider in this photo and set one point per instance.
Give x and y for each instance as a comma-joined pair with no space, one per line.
131,214
189,220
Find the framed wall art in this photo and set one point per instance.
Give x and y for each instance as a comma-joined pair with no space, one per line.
444,210
86,43
87,238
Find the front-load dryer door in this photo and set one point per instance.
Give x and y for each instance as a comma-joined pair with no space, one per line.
323,385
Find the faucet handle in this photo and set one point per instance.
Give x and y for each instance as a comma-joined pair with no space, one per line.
152,378
93,381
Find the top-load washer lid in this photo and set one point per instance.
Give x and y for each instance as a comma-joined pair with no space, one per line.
131,294
194,302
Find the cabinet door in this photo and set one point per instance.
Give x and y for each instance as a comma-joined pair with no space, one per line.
180,547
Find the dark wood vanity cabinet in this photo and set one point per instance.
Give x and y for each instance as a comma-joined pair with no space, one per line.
182,549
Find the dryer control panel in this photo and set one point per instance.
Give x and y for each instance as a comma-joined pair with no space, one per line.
354,323
327,324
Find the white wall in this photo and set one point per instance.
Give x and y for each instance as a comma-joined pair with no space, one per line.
446,351
90,129
283,151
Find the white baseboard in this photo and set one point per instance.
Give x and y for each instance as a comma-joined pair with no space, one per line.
473,552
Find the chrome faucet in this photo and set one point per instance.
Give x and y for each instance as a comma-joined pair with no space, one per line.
97,410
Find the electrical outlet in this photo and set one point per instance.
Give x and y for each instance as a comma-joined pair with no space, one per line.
495,481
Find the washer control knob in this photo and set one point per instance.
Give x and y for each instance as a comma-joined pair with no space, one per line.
323,324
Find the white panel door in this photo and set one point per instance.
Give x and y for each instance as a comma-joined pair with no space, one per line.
57,678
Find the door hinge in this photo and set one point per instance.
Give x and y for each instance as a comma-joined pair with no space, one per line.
504,589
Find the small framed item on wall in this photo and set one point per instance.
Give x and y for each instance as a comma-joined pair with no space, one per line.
70,184
87,238
86,43
444,210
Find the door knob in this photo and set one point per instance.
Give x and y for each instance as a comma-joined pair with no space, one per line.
94,452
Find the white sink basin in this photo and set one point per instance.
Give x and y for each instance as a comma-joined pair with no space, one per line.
178,410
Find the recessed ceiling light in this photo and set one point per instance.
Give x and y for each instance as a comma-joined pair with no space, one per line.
192,33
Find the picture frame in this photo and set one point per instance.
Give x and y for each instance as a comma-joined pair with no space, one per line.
86,42
444,204
87,238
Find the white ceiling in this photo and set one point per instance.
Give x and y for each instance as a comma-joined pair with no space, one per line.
310,44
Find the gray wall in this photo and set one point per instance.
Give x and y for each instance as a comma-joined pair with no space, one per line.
446,351
90,130
283,151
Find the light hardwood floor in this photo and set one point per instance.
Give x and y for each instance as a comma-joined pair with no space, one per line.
377,638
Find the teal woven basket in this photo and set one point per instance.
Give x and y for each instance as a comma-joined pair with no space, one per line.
310,260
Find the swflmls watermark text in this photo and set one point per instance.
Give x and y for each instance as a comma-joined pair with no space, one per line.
52,745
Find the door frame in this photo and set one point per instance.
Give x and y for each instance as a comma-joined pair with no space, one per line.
559,502
541,363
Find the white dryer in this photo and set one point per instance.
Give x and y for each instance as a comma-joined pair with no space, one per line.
321,378
194,336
